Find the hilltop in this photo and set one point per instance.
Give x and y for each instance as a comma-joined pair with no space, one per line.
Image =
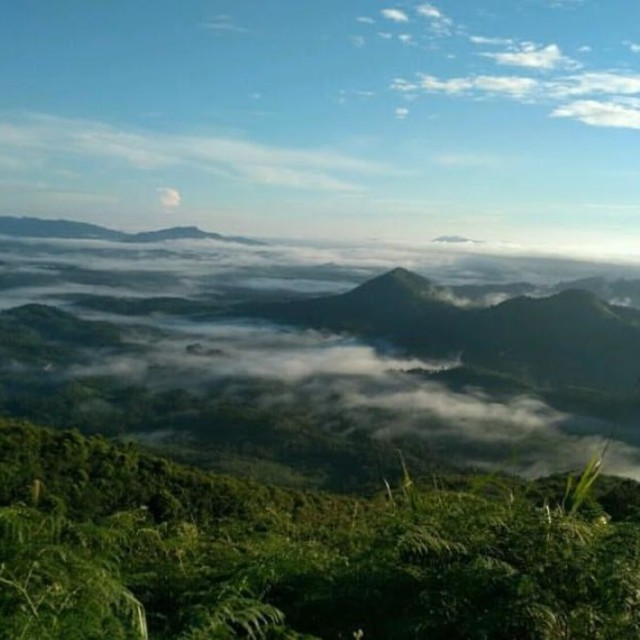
400,306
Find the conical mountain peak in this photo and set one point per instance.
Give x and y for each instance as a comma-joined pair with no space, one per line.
398,284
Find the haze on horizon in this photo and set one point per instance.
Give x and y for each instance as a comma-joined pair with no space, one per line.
512,122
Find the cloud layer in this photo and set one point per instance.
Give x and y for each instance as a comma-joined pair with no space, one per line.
35,139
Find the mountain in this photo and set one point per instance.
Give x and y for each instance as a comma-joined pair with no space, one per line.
38,228
25,227
400,307
621,291
570,339
186,233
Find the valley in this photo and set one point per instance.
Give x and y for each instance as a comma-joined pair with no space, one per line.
307,372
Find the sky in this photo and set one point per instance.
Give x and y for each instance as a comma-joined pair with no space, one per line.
499,120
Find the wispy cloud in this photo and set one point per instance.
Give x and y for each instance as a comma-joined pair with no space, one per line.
620,108
428,11
562,4
466,160
482,40
404,86
47,137
365,20
593,83
396,15
558,88
532,56
222,24
407,39
401,113
601,114
513,86
439,22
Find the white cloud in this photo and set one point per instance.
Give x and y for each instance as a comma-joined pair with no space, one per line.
523,87
170,198
407,39
37,137
403,86
533,56
385,35
513,86
395,14
491,41
428,11
357,41
635,47
401,113
439,23
598,82
451,86
600,114
365,20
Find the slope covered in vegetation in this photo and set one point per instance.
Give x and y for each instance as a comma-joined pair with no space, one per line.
99,541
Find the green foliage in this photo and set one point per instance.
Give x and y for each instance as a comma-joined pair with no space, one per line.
100,541
52,588
576,493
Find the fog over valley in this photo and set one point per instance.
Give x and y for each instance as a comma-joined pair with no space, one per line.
167,343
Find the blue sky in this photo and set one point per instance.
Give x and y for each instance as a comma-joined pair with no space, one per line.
504,120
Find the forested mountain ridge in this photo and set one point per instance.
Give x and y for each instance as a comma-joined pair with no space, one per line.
571,338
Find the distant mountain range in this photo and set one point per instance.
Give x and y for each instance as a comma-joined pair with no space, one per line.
25,227
569,339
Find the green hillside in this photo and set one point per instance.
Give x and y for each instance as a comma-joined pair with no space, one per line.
38,333
572,338
100,541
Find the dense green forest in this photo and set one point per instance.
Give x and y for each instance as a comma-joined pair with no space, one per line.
100,540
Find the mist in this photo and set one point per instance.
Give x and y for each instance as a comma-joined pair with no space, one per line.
348,386
342,383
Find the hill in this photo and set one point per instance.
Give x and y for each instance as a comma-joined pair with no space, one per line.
101,540
37,333
26,227
400,307
569,339
572,338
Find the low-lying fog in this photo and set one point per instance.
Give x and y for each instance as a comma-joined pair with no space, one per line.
328,373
